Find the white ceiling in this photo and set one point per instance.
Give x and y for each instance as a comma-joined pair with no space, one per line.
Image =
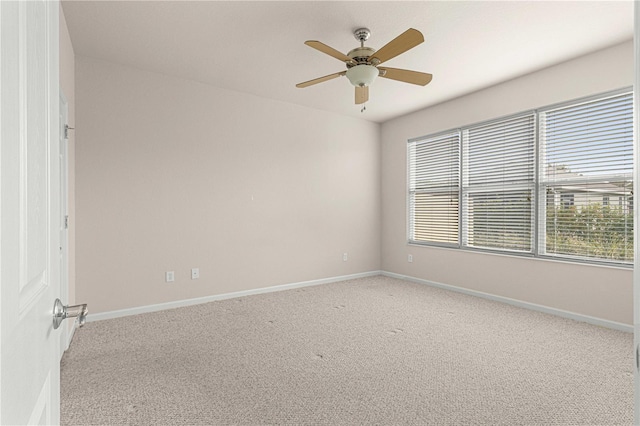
257,47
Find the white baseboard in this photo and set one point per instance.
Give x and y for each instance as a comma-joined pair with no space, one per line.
514,302
189,302
519,303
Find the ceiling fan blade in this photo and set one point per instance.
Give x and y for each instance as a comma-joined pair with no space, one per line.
320,79
329,50
362,94
405,41
413,77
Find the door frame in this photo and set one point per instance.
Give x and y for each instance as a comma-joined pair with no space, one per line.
67,330
636,211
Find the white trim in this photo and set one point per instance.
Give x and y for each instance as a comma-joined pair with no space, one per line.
189,302
543,258
636,210
514,302
519,303
65,335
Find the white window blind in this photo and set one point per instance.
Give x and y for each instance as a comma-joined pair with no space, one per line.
587,180
557,182
498,184
434,178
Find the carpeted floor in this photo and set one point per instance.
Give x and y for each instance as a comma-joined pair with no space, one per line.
368,351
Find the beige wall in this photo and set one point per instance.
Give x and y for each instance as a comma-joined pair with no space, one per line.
67,85
600,292
172,174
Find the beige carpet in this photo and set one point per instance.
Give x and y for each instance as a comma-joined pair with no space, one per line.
368,351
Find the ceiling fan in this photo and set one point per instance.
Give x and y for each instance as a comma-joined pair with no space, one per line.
363,62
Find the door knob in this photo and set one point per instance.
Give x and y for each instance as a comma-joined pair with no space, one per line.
61,312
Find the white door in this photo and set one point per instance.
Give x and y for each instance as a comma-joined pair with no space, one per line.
29,212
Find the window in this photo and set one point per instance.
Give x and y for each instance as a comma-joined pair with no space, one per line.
567,200
434,192
544,183
588,153
498,183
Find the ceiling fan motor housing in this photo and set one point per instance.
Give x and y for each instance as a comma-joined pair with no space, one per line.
360,55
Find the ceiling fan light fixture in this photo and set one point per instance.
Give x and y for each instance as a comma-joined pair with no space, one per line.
362,75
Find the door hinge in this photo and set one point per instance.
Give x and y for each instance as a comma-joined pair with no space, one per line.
66,222
66,130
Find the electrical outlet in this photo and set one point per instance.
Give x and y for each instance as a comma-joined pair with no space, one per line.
195,273
410,258
169,276
344,257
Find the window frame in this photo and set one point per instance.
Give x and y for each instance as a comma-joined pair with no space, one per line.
409,227
538,199
468,188
542,183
